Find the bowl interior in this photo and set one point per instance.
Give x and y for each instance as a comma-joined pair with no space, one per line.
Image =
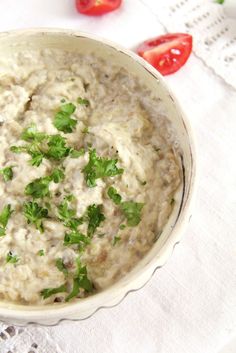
111,53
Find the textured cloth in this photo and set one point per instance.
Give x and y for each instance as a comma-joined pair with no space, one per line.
189,306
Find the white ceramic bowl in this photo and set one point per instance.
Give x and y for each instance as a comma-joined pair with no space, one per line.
162,249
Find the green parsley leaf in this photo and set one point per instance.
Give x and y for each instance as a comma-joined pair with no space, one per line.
5,215
33,150
81,281
114,196
220,1
61,267
122,226
2,231
41,252
63,121
19,149
116,240
99,167
34,214
67,216
38,188
7,173
12,259
76,237
77,153
69,198
132,211
30,134
85,130
47,292
57,175
172,201
57,147
95,217
83,101
37,158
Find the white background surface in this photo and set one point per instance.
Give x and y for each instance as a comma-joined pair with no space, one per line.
190,304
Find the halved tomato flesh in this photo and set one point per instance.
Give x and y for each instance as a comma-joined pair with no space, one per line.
167,53
97,7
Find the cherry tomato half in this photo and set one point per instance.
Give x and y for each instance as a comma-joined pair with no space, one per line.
167,53
97,7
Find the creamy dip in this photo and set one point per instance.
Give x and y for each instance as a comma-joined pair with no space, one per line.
113,207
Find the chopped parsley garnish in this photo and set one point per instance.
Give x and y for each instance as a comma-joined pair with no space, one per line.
94,217
220,1
18,149
47,292
30,134
114,196
7,173
143,183
45,146
77,153
172,201
2,231
57,147
57,175
67,216
75,237
63,121
41,252
37,158
34,214
4,218
80,281
116,240
132,211
12,259
122,226
83,101
99,167
85,130
61,267
38,188
69,198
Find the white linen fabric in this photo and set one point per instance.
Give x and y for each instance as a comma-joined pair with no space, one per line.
189,306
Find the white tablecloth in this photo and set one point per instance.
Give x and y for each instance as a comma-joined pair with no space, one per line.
189,306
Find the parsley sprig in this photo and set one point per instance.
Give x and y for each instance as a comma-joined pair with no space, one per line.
34,214
12,259
76,237
67,216
63,121
4,218
41,145
61,266
94,216
99,167
7,173
48,292
39,187
80,281
131,210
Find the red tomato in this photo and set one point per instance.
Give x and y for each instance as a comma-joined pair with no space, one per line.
97,7
167,53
